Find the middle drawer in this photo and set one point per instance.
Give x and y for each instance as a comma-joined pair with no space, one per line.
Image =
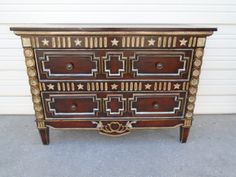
113,105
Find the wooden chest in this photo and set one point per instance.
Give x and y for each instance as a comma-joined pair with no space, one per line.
113,79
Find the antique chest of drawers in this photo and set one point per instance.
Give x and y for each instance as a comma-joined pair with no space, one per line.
113,79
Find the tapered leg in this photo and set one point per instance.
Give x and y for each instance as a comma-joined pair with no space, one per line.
44,133
184,132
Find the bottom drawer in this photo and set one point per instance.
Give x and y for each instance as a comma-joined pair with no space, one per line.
108,105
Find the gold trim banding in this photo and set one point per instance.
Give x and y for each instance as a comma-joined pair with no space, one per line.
35,89
194,80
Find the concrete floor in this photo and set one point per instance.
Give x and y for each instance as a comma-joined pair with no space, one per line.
209,152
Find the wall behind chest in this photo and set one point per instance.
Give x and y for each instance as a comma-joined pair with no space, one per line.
217,89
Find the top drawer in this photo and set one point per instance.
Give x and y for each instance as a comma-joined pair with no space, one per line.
67,64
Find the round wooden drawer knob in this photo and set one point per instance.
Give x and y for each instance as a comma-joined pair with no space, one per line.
73,107
159,66
69,66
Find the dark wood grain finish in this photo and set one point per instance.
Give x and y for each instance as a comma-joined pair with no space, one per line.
79,28
89,125
44,134
184,133
158,105
113,80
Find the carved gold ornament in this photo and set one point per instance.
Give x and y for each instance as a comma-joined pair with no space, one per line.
35,91
34,84
189,114
36,99
196,72
197,63
190,107
38,107
29,62
192,90
114,128
194,82
28,53
32,72
39,116
194,85
199,52
191,99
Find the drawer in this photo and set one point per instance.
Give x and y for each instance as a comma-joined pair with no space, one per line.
171,64
70,105
158,104
65,64
114,105
53,64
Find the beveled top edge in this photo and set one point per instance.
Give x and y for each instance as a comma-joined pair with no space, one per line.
112,30
99,29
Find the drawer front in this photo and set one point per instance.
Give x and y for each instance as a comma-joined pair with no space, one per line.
161,64
114,105
71,105
59,64
157,104
124,64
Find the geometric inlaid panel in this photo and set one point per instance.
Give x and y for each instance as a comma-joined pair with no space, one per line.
71,105
114,105
114,64
159,64
67,64
158,104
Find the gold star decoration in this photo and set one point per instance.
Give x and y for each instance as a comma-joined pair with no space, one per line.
151,42
80,86
176,86
45,42
114,42
183,42
77,42
114,86
147,86
50,87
